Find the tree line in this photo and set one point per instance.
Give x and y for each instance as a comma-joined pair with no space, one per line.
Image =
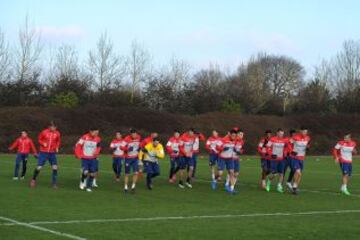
264,84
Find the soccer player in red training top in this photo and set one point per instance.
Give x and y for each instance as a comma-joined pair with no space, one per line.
198,137
24,145
131,149
238,150
278,148
288,163
299,143
226,154
265,157
172,147
118,154
343,154
49,141
87,149
186,152
143,143
211,146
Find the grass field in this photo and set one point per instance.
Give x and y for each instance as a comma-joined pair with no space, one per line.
166,212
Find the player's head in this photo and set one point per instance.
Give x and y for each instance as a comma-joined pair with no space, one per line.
24,134
236,129
303,130
268,133
280,133
154,135
176,133
94,131
52,126
191,131
292,132
240,133
156,141
133,133
347,136
118,135
233,134
214,133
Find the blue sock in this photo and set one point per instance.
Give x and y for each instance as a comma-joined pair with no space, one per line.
54,176
16,174
89,181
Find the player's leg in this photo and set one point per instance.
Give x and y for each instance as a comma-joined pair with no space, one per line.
297,168
346,171
271,175
18,159
172,169
212,163
280,165
54,167
190,164
41,162
84,173
182,166
24,165
148,170
236,171
127,172
220,167
91,174
135,167
194,160
96,173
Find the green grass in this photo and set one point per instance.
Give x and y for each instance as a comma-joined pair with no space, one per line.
319,193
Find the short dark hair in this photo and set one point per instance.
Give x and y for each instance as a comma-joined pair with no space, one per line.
268,131
133,130
52,124
176,131
93,128
232,131
292,131
303,128
280,130
156,139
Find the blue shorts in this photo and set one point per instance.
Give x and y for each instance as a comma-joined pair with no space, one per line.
287,163
88,165
213,159
44,156
174,162
228,163
131,164
236,165
152,167
277,166
187,162
266,165
297,164
21,157
96,165
346,168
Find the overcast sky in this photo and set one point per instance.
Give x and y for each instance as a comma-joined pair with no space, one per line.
200,31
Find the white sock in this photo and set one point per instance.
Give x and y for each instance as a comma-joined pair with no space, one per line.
343,187
232,187
279,185
227,180
133,185
213,176
94,181
126,187
235,181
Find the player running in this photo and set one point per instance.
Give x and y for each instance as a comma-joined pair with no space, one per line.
238,150
152,151
343,154
143,143
132,149
172,148
278,148
186,152
198,137
211,146
49,140
87,149
263,150
226,153
299,143
288,163
118,154
24,145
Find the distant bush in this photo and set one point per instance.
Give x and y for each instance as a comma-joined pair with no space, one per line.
65,100
230,106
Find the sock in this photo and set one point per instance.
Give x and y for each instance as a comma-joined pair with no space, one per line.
83,177
126,187
263,181
24,168
235,181
181,182
343,187
115,169
291,176
148,179
232,187
94,181
295,185
36,173
89,181
54,176
188,180
227,180
133,186
213,176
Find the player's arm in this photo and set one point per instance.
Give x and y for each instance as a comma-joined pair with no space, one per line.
169,148
160,153
79,147
14,145
58,142
335,152
261,148
41,139
33,148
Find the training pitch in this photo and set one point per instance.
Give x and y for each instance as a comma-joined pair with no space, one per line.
167,212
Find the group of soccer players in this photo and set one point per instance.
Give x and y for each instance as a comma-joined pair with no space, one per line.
278,154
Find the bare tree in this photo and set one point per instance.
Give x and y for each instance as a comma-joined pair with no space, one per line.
138,63
105,65
28,52
66,62
4,57
179,72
